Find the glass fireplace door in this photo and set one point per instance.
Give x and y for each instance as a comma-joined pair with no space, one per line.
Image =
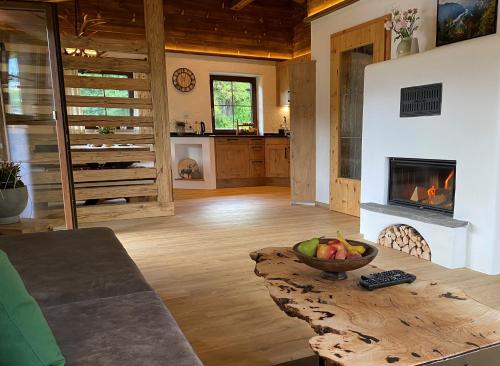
32,125
424,184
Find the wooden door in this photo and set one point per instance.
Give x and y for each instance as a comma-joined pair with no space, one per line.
303,128
277,158
232,160
351,51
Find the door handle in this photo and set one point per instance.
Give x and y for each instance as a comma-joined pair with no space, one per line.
286,152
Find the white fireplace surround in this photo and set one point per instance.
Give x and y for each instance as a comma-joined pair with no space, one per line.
467,131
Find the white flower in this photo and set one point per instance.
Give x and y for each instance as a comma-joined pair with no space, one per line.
400,24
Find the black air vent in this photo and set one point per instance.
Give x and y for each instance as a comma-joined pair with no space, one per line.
421,101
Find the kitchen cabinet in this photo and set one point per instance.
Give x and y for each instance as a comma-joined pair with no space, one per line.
282,84
257,157
257,169
232,158
278,158
252,161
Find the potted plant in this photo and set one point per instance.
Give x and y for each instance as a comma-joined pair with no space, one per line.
13,193
404,24
106,131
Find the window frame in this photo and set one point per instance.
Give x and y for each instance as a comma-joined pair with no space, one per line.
245,79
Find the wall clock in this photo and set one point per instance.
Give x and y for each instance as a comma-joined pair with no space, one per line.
184,80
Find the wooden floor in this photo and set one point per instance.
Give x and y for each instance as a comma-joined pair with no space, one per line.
198,261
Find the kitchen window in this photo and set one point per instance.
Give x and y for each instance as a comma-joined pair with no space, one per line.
234,102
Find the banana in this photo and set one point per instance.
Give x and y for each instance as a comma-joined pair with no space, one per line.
350,248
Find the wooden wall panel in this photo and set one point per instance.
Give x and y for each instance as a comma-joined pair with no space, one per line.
302,39
262,28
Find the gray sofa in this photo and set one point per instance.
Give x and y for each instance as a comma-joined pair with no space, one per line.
99,306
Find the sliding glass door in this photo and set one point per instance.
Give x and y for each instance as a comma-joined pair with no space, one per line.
32,128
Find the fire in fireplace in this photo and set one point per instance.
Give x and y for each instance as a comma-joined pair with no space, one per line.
426,184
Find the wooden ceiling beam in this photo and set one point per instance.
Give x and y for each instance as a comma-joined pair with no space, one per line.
240,4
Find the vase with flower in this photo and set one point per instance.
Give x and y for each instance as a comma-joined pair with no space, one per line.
404,24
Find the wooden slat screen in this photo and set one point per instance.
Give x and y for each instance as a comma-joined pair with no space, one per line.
115,175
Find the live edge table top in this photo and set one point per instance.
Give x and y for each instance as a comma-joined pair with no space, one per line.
406,325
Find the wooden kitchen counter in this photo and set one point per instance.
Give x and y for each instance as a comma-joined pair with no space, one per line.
406,325
247,161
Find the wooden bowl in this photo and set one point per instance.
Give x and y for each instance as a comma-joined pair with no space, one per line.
335,269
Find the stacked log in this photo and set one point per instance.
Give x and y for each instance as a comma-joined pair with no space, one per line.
405,239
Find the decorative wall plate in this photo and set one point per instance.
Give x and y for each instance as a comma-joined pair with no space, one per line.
188,169
184,80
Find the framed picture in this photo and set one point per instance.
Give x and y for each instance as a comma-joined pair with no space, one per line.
460,20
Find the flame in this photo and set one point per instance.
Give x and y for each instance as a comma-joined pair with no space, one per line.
447,181
431,192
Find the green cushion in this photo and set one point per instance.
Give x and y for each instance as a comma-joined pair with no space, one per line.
25,336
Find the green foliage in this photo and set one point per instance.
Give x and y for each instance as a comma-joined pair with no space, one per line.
106,130
488,20
10,175
232,103
97,111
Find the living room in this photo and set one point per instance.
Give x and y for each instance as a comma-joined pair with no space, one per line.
244,182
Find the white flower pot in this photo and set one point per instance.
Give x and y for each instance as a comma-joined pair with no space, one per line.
13,201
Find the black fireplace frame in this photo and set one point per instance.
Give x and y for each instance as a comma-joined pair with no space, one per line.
421,162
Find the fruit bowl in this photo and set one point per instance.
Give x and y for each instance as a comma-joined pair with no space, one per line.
335,269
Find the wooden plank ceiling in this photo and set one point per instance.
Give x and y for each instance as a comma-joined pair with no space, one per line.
247,28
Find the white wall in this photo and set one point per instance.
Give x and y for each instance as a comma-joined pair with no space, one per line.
196,104
468,131
322,29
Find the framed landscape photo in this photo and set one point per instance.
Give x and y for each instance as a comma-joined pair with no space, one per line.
460,20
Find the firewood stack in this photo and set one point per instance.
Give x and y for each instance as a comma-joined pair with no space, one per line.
405,239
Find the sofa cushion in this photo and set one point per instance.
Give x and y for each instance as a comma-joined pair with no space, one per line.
134,329
25,336
67,266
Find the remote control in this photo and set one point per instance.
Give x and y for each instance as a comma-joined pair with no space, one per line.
385,279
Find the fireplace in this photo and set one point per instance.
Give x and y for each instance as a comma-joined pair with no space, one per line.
424,184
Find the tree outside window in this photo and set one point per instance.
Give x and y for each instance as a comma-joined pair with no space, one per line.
233,101
90,92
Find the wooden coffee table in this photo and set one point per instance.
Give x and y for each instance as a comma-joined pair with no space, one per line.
423,323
